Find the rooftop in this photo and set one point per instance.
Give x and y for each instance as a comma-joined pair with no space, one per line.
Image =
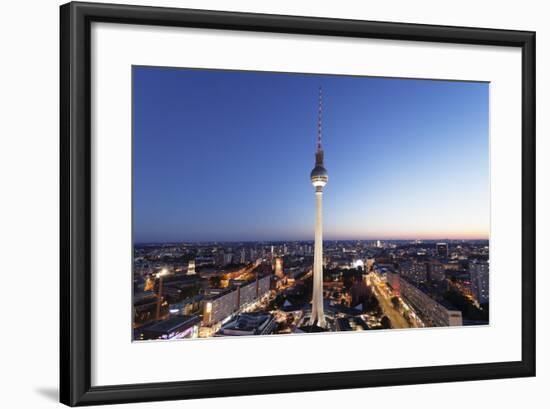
172,324
251,323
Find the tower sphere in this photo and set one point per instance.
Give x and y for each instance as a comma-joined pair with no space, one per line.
319,176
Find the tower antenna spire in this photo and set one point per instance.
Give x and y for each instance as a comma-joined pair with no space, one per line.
320,119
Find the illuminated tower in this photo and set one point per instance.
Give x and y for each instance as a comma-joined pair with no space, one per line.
319,178
191,268
279,267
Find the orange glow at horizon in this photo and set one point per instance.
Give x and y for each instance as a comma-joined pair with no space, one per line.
409,235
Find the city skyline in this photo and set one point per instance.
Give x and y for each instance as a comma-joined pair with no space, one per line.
219,290
406,240
203,139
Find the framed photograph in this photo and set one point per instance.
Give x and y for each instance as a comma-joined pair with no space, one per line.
257,204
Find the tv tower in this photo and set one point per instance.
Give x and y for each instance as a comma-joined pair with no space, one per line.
319,178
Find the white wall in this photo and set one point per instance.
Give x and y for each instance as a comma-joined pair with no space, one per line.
29,204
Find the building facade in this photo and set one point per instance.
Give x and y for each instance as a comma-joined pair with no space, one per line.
220,305
432,312
442,249
479,280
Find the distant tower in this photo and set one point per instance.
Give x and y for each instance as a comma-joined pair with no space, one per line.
191,267
319,178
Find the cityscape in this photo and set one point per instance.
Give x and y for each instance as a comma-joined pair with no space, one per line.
208,288
199,290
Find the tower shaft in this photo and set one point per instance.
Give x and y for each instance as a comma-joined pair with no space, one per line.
317,310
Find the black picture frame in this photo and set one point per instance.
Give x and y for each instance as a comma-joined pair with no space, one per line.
75,203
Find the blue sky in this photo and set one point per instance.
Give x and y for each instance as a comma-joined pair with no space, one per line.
226,156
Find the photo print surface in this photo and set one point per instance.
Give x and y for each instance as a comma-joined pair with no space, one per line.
272,203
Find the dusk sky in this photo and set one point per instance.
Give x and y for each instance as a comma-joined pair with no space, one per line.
226,156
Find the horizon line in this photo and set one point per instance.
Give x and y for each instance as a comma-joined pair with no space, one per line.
442,239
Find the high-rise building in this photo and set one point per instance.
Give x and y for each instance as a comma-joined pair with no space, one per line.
319,178
442,249
228,258
479,279
220,258
415,270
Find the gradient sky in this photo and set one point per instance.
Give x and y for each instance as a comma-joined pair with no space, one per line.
226,156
